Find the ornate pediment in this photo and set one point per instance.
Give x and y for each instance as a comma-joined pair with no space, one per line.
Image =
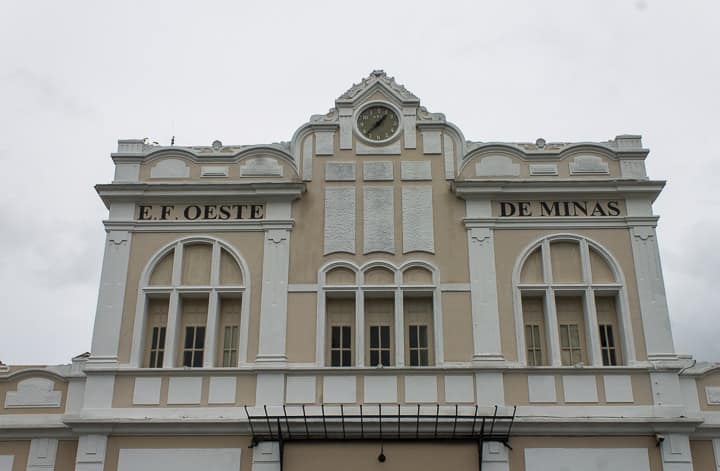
377,79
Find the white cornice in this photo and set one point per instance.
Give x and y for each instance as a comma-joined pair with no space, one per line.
469,189
190,191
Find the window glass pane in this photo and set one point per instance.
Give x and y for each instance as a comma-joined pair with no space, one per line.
227,337
605,358
346,337
198,360
160,357
385,336
189,331
613,360
424,358
346,358
154,341
199,337
603,336
335,358
335,341
565,357
374,343
413,340
611,338
235,334
564,340
374,356
162,338
574,336
414,358
152,360
385,358
187,358
423,336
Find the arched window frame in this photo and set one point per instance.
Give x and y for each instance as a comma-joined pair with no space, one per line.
548,288
359,288
176,288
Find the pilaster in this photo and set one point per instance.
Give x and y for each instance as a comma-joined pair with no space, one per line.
273,301
651,291
675,452
91,453
106,332
483,293
43,452
266,456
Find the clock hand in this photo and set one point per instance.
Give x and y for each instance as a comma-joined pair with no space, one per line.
377,123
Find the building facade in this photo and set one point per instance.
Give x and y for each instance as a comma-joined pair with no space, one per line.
378,292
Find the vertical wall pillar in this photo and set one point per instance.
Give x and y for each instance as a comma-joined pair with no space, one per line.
213,316
43,452
675,452
273,301
106,332
91,453
651,290
266,456
483,292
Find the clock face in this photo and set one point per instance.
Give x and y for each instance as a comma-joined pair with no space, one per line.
378,123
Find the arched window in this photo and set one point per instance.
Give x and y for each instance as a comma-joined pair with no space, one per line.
379,314
571,305
192,307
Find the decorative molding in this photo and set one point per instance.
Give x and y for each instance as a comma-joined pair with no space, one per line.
541,388
276,235
432,141
179,459
588,164
633,169
339,228
378,170
543,169
618,388
392,148
270,389
300,389
587,459
118,237
91,453
33,392
184,390
307,158
146,391
480,235
214,171
170,168
222,390
377,77
497,166
417,219
449,157
339,389
579,388
380,389
378,219
416,170
261,167
339,171
409,119
713,395
459,389
421,389
324,142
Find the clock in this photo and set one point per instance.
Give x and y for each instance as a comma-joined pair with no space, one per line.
378,123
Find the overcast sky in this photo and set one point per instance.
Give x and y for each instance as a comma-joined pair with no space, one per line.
77,76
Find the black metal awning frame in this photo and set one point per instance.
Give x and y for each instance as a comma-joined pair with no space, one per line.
380,424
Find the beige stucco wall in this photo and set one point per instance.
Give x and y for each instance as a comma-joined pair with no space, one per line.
510,243
711,379
449,233
125,385
301,327
115,443
703,456
66,454
11,385
519,444
144,245
19,449
517,394
457,326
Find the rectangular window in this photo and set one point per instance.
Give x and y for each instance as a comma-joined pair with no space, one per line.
194,346
341,345
570,351
379,345
607,345
230,346
157,347
533,344
418,343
